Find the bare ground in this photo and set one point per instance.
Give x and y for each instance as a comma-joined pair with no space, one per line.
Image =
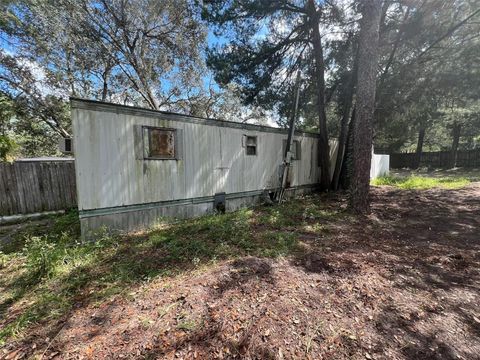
403,283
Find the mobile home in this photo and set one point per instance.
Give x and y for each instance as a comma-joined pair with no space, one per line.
135,166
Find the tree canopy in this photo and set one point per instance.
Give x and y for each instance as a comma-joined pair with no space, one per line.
236,60
141,52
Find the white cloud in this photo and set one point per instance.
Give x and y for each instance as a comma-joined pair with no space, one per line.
39,75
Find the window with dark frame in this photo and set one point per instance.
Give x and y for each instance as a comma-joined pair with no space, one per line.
160,143
251,145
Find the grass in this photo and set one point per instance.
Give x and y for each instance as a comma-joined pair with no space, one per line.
51,225
421,182
47,270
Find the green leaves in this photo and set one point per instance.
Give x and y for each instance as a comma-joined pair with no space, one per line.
264,42
7,148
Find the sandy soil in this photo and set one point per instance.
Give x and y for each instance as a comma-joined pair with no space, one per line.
403,283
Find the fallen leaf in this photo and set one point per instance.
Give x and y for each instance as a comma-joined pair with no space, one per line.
17,354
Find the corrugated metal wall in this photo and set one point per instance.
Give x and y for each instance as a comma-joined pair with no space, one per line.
214,160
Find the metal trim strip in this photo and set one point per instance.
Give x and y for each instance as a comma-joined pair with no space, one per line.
198,200
84,104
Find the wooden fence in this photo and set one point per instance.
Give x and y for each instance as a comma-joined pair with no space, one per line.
437,159
36,186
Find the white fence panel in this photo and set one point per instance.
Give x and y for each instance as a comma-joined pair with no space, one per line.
380,166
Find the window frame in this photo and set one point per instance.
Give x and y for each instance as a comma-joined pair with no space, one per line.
251,146
146,143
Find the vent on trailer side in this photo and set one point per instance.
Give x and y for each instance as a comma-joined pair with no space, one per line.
65,145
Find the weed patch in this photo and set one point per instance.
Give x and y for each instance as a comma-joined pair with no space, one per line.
422,183
277,243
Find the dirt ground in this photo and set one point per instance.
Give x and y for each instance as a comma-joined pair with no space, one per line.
403,283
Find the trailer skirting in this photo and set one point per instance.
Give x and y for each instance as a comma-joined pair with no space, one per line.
130,218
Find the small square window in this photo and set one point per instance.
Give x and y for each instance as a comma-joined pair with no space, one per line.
160,143
251,145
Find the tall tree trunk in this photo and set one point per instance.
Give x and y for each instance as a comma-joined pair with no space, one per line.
105,84
70,75
342,139
419,149
365,105
456,139
324,148
346,172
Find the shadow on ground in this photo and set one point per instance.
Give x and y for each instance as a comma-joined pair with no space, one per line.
305,280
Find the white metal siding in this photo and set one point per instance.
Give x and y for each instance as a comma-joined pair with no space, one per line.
214,160
380,166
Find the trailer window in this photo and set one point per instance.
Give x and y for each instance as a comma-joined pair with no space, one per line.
251,145
160,143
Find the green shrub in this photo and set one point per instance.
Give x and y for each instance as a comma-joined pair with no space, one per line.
42,254
8,148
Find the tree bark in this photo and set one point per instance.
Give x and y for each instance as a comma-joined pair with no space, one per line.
342,139
346,172
365,105
105,75
419,149
456,139
324,148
